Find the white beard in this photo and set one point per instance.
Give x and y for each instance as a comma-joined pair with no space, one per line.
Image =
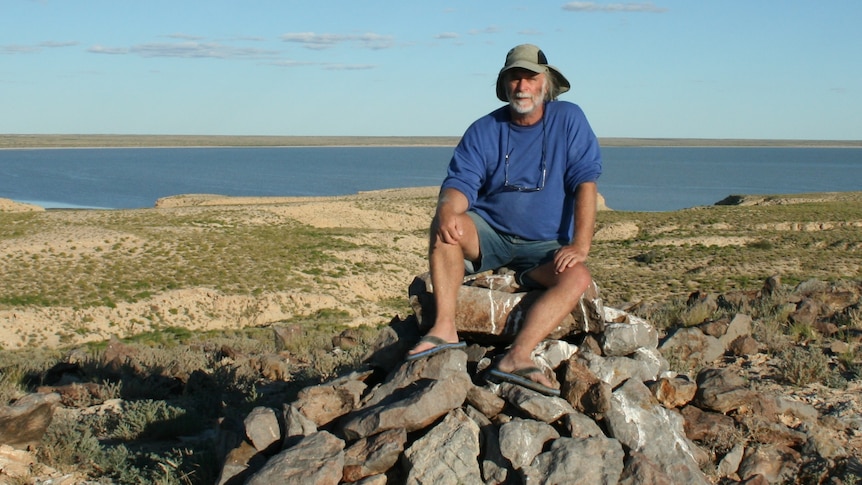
524,104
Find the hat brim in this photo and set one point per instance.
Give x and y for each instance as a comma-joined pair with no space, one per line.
560,82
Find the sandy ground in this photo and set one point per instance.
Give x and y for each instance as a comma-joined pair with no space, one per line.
392,237
205,308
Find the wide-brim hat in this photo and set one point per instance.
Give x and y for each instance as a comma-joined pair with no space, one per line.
530,57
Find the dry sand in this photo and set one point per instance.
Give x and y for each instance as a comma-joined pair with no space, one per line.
391,227
205,308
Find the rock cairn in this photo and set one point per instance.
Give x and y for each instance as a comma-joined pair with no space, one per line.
623,416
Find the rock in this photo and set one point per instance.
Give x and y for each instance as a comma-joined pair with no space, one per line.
488,403
324,403
262,428
495,467
296,426
495,315
616,370
777,464
822,442
588,461
583,390
411,408
743,346
23,423
581,426
707,426
729,464
317,458
807,312
722,390
73,395
447,454
435,367
693,346
652,363
621,339
393,342
625,417
640,470
15,463
639,423
739,327
374,455
543,408
673,392
240,464
551,353
521,440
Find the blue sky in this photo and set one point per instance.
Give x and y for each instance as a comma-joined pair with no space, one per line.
660,69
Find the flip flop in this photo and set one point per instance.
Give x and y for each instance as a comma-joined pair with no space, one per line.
439,346
519,377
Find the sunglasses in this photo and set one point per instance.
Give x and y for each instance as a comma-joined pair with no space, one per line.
541,183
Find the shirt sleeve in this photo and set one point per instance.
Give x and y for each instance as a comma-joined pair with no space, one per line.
467,172
585,158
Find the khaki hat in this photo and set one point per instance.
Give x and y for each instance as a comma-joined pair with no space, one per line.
530,57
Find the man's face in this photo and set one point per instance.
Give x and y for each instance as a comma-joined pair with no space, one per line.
525,90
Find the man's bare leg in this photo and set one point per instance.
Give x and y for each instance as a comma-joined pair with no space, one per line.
562,295
447,275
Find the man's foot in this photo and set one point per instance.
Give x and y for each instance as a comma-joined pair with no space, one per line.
527,377
523,372
430,345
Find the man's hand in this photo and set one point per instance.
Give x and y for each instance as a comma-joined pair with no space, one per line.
568,256
449,230
450,206
585,222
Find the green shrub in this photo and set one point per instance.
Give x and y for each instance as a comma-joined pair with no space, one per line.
801,366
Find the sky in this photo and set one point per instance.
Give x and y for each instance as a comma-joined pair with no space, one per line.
764,69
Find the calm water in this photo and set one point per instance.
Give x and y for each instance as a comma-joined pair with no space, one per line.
634,178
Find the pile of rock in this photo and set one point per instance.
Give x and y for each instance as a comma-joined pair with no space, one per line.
623,416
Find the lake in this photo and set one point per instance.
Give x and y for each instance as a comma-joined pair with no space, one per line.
634,178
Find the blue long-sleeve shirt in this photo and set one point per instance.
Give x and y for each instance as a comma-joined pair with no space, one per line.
480,171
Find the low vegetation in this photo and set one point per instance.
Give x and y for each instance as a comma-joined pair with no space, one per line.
162,436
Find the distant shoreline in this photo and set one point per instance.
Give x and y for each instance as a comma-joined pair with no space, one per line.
206,141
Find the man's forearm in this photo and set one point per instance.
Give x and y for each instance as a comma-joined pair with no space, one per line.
585,215
452,200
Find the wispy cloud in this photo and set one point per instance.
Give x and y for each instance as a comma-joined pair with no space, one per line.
311,40
181,36
187,50
34,48
447,35
487,30
100,49
646,7
348,67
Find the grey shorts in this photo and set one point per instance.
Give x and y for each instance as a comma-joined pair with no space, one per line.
520,255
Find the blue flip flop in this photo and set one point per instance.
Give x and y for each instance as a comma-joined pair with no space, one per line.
519,377
439,346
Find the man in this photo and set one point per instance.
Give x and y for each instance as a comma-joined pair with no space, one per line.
521,193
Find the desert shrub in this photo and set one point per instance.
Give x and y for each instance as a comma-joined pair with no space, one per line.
802,333
150,419
801,366
22,371
663,316
106,447
761,244
695,315
68,445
